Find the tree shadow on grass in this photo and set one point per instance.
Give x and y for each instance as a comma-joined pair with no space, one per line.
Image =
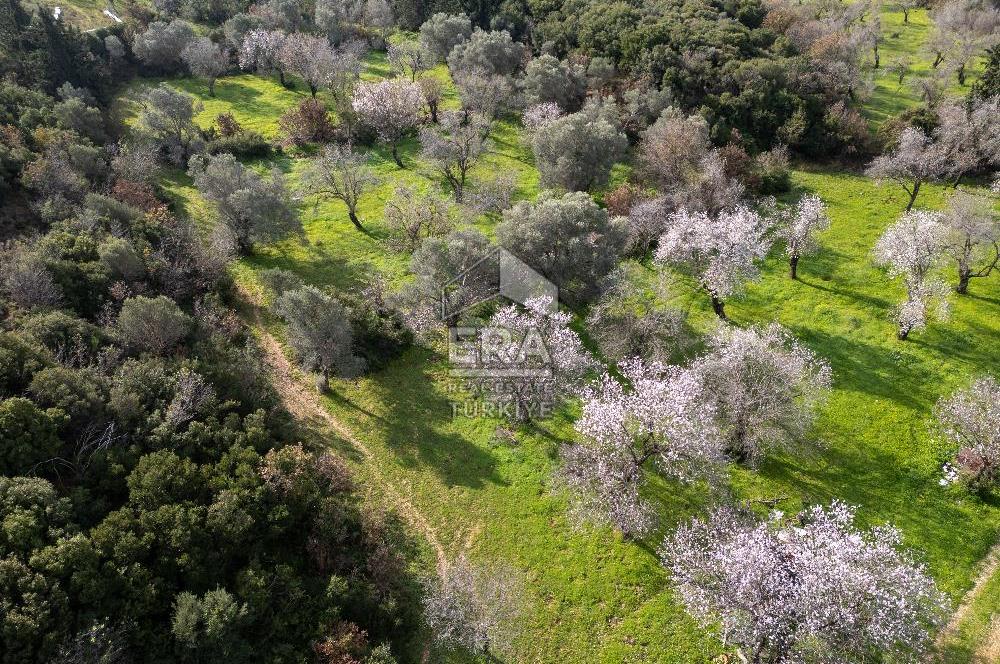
863,367
418,427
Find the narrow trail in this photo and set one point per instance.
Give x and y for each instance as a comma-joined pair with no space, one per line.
989,649
306,406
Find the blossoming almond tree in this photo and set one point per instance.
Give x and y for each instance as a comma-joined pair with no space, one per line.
973,237
970,420
391,108
799,226
662,416
910,249
764,386
819,589
533,382
722,250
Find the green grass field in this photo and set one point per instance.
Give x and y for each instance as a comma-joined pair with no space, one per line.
592,597
905,41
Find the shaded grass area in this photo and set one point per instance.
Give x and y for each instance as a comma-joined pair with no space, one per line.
592,597
906,41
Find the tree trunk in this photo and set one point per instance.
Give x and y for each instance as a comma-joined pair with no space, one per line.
906,15
793,267
904,331
354,219
211,87
913,196
963,281
434,112
719,307
961,74
938,59
281,78
313,90
877,59
395,155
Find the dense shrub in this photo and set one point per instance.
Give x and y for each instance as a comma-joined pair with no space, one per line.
243,145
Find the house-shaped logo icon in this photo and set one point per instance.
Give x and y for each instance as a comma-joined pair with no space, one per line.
499,274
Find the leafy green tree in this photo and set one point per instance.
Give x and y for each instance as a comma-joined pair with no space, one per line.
28,435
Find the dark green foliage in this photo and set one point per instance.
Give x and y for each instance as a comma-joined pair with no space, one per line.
380,334
19,361
243,145
27,436
988,84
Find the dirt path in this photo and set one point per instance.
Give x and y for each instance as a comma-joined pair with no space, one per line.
989,649
305,405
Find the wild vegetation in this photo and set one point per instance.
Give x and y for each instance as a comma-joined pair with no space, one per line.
767,421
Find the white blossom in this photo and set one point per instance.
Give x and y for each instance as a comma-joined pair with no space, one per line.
721,250
765,387
818,590
910,249
538,115
798,227
558,358
390,108
970,421
662,416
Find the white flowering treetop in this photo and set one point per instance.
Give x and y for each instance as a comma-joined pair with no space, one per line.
474,607
910,249
820,589
973,236
661,416
539,115
970,420
798,227
391,108
722,250
548,357
764,386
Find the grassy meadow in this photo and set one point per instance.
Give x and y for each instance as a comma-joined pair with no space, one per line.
590,596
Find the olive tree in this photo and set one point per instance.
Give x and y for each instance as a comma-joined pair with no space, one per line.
454,147
576,151
254,208
161,45
546,79
319,331
206,59
443,32
341,173
167,117
569,239
391,108
444,280
493,53
408,59
154,325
